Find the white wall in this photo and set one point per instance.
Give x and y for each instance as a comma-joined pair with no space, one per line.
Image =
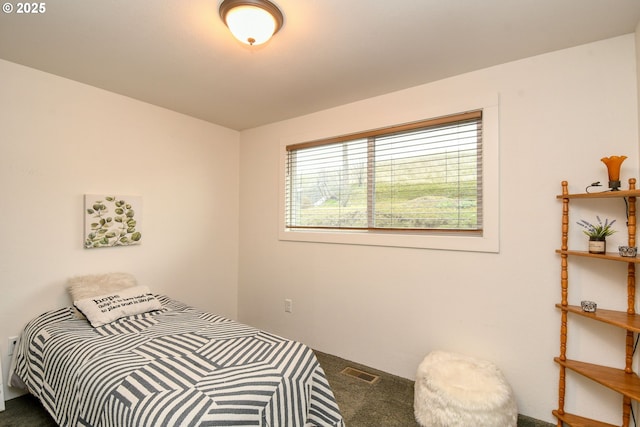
388,307
60,140
637,34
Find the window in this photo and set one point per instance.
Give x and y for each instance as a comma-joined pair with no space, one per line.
351,201
419,177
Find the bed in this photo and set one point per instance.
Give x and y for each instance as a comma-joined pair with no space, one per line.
171,366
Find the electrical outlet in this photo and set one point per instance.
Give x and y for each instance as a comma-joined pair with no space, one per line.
288,305
11,345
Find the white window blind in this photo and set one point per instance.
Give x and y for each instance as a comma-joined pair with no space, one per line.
424,176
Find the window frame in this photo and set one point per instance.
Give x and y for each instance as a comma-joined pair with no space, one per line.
487,241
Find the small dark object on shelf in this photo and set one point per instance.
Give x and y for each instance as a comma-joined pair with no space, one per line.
589,306
628,251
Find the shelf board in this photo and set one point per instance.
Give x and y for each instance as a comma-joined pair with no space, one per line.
613,256
621,319
577,421
601,195
615,379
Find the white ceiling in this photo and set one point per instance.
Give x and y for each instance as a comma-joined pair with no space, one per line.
178,54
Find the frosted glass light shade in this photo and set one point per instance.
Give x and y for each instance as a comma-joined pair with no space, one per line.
251,21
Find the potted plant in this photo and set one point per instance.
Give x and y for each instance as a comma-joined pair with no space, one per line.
597,234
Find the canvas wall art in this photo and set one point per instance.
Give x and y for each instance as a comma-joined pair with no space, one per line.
111,221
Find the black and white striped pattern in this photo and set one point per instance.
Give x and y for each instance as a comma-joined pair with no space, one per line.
175,367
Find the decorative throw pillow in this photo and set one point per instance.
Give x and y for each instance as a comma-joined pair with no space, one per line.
104,309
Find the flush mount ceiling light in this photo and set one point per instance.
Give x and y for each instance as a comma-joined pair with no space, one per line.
251,21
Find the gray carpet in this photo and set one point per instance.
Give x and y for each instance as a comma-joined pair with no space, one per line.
388,402
25,411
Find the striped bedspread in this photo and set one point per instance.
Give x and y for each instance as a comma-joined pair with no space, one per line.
174,367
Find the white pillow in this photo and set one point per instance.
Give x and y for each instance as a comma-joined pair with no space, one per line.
91,285
81,287
104,309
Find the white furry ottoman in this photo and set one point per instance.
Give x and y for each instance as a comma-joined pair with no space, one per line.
453,390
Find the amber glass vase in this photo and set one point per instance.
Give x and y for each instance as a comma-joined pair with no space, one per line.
613,164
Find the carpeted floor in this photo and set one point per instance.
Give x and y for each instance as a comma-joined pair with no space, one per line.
388,402
25,411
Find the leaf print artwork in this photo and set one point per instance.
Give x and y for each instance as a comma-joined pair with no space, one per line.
111,221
